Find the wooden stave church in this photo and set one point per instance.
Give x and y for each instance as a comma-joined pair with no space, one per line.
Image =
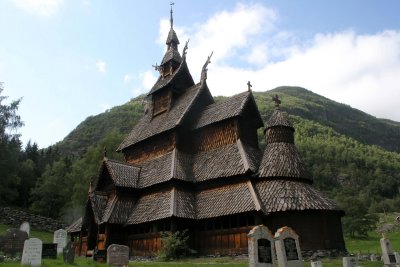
195,164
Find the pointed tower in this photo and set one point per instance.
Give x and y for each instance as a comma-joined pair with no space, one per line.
285,189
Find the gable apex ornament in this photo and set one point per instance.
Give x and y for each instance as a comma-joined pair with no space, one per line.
277,101
249,86
204,69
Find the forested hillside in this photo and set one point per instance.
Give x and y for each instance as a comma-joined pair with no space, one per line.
353,157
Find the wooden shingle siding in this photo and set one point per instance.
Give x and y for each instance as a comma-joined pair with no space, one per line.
158,146
161,102
279,134
214,136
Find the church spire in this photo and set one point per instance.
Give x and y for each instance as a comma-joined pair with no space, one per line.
171,19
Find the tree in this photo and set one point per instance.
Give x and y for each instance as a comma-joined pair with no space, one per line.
10,149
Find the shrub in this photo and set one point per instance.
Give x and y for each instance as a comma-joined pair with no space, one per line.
174,245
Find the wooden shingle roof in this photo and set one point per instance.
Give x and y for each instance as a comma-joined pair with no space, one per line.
98,203
278,118
285,195
121,207
75,226
228,108
123,174
283,160
224,200
171,54
149,126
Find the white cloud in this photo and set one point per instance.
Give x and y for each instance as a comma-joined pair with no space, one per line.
43,8
101,66
127,78
360,70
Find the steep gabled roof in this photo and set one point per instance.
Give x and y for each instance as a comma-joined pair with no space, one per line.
123,174
156,170
283,160
121,207
76,226
171,54
98,204
284,195
228,108
149,126
224,200
182,72
225,161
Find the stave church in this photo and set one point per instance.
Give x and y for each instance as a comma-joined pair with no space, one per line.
193,163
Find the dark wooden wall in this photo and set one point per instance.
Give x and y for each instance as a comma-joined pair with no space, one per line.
152,148
161,102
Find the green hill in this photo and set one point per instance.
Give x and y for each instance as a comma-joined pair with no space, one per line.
295,101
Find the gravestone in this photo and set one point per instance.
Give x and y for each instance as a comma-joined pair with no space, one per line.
261,247
316,264
388,257
32,253
288,248
25,227
12,242
68,253
60,237
117,255
397,256
100,255
49,251
350,262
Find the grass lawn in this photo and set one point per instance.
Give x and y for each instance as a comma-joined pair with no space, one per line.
353,245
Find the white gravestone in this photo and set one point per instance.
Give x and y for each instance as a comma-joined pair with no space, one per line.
60,237
117,255
288,248
261,247
32,253
316,264
25,227
397,256
350,262
388,257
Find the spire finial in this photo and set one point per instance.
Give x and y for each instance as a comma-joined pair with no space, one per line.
204,70
249,86
277,101
105,153
171,18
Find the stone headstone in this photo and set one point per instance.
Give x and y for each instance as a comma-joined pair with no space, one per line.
261,247
397,256
350,262
32,253
100,255
316,264
25,227
388,257
117,255
12,242
49,251
373,257
60,237
288,248
68,253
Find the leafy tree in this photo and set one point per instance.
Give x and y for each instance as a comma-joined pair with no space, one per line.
10,148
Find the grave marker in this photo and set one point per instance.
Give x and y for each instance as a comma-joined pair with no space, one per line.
389,259
117,255
49,251
60,237
316,264
25,227
13,241
68,253
350,262
32,253
288,248
261,247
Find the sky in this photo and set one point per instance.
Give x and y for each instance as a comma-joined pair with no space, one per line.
70,59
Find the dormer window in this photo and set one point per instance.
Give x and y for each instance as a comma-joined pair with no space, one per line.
161,102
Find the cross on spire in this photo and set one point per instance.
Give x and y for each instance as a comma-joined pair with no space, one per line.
249,86
277,101
171,18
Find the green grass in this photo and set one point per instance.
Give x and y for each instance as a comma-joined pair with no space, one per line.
353,245
46,237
